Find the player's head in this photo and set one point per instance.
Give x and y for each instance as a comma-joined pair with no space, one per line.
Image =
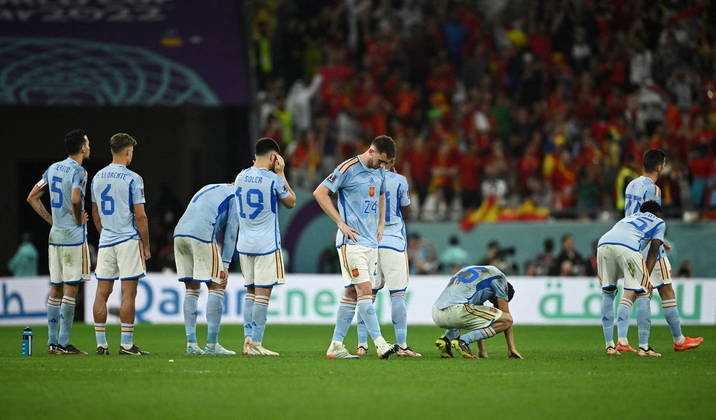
267,149
654,161
77,142
122,146
510,295
651,207
381,151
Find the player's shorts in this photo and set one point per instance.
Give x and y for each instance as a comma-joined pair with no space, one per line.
197,260
615,262
69,264
359,264
262,270
661,274
465,317
124,261
392,270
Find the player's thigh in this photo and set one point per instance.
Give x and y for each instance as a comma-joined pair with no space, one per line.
54,259
184,258
75,264
107,268
608,269
206,262
359,262
479,316
130,260
268,270
661,274
394,268
246,262
633,269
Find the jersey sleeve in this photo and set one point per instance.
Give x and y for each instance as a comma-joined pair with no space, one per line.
499,287
92,197
280,188
653,193
658,231
334,180
79,180
42,183
404,193
137,190
231,232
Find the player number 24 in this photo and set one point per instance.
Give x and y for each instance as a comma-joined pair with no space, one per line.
370,206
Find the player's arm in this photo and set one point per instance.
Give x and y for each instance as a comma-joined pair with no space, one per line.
323,198
34,200
512,352
231,232
653,255
95,217
405,212
290,200
78,213
381,216
140,220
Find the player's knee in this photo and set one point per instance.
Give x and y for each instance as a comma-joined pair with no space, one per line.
506,318
666,292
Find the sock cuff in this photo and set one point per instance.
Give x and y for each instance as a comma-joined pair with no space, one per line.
127,328
66,300
644,296
609,292
192,293
626,302
347,302
100,327
669,303
54,301
217,292
489,332
249,296
261,301
365,298
397,294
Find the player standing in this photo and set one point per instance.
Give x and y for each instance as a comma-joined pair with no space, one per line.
360,184
211,213
118,213
393,262
641,190
619,255
258,192
67,245
460,307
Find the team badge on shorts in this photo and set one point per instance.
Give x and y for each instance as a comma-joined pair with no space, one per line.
355,273
371,191
493,310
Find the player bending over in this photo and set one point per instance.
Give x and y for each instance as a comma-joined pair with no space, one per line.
259,189
460,307
638,191
211,213
118,213
619,255
67,245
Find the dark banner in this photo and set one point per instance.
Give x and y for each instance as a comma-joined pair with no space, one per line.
123,52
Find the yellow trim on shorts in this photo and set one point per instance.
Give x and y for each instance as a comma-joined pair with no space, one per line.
345,260
665,275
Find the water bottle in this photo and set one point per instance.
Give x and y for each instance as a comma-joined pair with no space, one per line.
27,341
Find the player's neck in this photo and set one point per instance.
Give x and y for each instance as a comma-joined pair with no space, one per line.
262,164
652,175
363,157
79,158
119,161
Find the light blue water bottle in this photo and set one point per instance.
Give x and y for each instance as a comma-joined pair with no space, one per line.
27,341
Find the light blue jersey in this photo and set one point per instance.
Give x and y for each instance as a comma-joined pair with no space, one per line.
258,192
212,211
396,196
635,232
63,177
473,285
115,190
638,192
359,189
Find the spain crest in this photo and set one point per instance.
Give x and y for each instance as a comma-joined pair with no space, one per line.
371,191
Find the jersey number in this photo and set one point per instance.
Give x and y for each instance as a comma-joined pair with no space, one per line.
56,189
254,199
466,276
644,222
370,206
107,204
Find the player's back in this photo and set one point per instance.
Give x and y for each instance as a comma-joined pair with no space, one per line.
635,231
473,285
396,196
258,192
206,213
62,177
639,191
115,190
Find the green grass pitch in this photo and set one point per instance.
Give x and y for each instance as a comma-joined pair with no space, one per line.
564,375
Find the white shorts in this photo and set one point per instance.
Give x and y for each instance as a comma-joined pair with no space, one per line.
392,270
69,264
615,262
661,274
465,317
124,261
262,270
359,264
197,260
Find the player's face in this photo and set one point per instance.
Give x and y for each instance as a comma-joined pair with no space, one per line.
86,148
377,160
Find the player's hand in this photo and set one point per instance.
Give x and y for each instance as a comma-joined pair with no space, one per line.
279,164
381,228
514,354
147,253
84,218
667,247
348,231
482,355
224,276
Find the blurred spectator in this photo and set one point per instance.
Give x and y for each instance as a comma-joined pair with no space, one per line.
24,262
545,259
499,257
685,270
591,266
454,257
421,253
569,262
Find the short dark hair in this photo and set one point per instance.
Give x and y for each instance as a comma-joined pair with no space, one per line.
266,145
74,141
454,240
651,207
653,158
121,141
510,295
384,144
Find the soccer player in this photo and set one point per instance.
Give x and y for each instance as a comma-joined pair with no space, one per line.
619,255
258,192
67,244
641,190
211,213
460,307
392,262
118,213
360,218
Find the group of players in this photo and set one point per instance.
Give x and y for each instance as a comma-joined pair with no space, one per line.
371,203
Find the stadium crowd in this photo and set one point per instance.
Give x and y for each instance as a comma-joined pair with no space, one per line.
550,103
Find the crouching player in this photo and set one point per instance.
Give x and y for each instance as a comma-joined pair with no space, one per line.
460,307
199,259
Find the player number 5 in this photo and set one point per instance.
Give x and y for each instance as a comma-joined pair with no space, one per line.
55,189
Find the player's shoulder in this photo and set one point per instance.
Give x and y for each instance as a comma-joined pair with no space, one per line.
135,176
347,165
